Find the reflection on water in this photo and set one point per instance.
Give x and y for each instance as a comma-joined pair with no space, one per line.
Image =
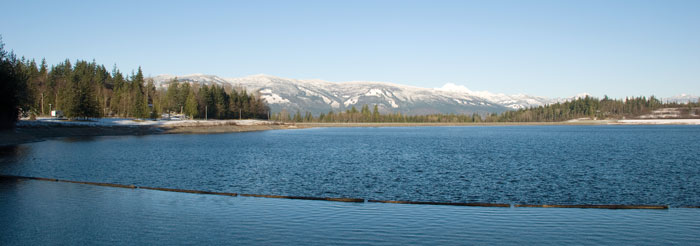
78,139
41,212
13,153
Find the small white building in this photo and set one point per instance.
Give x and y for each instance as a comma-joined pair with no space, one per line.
57,113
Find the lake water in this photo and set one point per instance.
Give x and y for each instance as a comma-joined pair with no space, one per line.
41,212
499,164
509,164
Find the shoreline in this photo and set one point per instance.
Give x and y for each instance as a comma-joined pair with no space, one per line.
36,131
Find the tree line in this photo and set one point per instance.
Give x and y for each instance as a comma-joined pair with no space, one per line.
590,107
365,115
88,90
586,107
212,102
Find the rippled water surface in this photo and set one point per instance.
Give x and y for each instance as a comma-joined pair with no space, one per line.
41,212
501,164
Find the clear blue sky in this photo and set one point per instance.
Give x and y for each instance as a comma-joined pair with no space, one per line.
548,48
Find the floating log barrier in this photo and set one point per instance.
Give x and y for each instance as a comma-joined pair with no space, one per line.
68,181
122,186
307,198
100,184
190,191
446,203
357,200
595,206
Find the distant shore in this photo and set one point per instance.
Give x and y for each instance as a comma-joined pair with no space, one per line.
570,122
403,124
34,131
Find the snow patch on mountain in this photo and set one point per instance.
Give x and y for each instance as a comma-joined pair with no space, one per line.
375,92
351,101
517,101
274,98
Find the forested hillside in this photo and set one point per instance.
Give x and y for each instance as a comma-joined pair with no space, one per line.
594,108
587,107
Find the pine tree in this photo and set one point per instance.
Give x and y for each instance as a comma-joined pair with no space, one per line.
297,116
181,97
191,105
375,113
139,103
152,100
170,102
366,115
83,102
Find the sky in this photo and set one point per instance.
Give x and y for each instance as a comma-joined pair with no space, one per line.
547,48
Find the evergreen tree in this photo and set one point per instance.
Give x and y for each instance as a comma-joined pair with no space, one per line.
170,102
191,105
181,98
13,89
151,100
366,116
375,113
297,116
120,97
81,97
139,105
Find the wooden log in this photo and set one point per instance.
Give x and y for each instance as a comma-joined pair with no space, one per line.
307,198
190,191
446,203
602,206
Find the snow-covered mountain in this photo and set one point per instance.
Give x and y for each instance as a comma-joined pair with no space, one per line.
318,96
682,98
162,80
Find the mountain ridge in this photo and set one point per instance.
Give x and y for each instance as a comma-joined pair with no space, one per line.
320,96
